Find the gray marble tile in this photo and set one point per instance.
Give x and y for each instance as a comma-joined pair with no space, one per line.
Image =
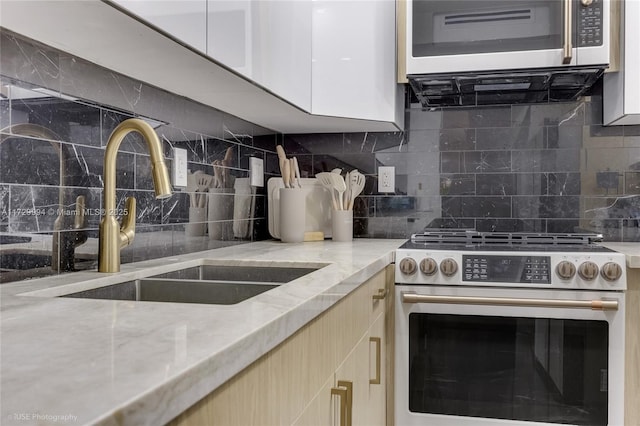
486,206
423,141
457,140
326,143
486,161
32,208
417,119
564,137
554,114
508,138
30,62
458,184
546,207
563,184
374,142
496,184
29,161
5,194
467,118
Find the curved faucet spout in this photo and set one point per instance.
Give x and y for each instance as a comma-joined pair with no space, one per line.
113,237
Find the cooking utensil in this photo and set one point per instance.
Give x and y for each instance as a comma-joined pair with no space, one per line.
335,183
203,183
192,187
282,158
356,187
286,174
226,164
337,171
217,172
347,194
296,170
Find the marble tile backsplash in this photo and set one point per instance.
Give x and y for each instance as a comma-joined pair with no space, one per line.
533,168
538,168
73,107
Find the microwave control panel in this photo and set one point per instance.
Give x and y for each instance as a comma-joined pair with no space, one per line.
590,26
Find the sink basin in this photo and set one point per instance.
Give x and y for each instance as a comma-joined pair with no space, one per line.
178,291
210,282
265,274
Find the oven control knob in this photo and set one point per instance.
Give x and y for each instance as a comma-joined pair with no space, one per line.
408,266
448,267
588,271
565,270
611,271
428,266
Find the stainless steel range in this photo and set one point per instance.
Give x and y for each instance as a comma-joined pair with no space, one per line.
509,328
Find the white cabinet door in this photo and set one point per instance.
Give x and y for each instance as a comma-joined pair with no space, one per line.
621,90
354,59
269,42
186,20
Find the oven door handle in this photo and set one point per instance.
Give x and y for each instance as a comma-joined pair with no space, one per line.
597,305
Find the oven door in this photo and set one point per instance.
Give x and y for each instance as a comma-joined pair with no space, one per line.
484,35
474,356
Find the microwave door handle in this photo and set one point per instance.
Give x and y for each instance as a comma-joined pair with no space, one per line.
597,305
568,24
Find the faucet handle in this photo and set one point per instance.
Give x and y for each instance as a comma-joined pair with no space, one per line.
128,227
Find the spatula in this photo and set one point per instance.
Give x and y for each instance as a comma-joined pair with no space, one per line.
357,185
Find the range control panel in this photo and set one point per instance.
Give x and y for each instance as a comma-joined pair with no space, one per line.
509,269
562,270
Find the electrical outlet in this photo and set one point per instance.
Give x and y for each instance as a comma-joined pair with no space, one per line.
256,171
179,169
386,178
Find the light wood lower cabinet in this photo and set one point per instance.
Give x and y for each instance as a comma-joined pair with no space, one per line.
292,384
632,349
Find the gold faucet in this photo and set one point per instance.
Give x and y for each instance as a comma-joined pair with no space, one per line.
113,237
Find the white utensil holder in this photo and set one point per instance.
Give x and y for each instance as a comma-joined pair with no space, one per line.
221,214
197,225
342,225
292,215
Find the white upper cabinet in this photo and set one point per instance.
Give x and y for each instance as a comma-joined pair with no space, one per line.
267,41
292,66
186,20
354,59
621,90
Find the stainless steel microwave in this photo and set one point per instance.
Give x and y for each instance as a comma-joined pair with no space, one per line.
458,36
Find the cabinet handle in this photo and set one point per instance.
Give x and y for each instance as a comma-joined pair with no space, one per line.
342,393
381,294
568,23
378,342
348,386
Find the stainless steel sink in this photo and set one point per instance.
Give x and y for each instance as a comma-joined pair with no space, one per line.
264,274
178,291
207,283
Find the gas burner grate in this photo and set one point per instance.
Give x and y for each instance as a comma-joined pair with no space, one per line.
504,238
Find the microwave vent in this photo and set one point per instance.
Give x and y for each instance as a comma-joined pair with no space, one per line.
539,86
495,16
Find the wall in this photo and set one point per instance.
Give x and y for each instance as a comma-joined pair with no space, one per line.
81,104
538,168
533,168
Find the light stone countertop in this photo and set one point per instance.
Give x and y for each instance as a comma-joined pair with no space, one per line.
68,361
630,250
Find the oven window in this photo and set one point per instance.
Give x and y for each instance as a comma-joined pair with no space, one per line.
541,370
